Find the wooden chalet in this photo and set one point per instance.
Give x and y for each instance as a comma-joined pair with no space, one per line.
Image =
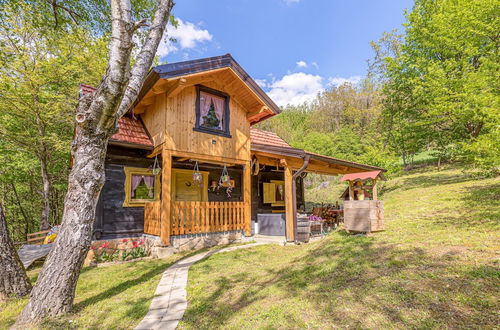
186,160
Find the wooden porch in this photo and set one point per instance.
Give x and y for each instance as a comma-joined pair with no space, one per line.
195,217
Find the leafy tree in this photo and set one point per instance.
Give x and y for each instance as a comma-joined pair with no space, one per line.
95,122
442,86
39,77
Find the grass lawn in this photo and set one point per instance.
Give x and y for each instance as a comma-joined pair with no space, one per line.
114,297
436,266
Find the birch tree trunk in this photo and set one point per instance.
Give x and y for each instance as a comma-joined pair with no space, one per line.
96,118
13,282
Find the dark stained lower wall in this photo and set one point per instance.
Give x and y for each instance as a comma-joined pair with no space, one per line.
112,219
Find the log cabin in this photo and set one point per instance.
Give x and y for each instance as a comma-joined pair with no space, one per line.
186,161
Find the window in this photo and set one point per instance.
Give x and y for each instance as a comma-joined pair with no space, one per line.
141,186
212,111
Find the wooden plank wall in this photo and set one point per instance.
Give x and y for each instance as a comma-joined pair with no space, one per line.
171,121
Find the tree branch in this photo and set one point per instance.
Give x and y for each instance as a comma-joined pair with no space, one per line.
146,56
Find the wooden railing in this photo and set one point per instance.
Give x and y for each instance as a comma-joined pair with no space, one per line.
152,218
206,217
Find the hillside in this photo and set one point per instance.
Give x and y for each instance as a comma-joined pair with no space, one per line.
435,266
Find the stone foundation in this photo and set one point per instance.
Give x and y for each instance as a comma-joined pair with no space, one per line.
200,241
179,243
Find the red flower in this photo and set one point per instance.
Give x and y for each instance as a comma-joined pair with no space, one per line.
135,244
105,245
124,240
141,241
93,247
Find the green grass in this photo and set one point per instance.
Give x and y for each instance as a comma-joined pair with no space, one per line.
114,297
436,266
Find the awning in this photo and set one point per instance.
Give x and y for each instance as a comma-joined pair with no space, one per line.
362,176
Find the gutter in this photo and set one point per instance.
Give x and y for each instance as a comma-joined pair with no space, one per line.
294,193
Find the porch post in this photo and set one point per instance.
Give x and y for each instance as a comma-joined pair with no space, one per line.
247,196
290,235
166,185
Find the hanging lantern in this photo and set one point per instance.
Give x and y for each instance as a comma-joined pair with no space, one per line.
197,176
156,167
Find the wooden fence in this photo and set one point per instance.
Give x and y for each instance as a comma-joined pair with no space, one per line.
196,217
206,217
152,218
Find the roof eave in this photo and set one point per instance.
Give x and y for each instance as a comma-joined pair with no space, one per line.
130,145
345,162
278,150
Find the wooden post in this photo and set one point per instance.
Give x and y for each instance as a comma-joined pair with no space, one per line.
290,235
351,192
374,190
247,196
166,186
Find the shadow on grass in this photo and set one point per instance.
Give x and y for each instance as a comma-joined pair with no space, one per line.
350,279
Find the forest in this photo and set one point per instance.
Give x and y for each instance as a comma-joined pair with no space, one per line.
430,89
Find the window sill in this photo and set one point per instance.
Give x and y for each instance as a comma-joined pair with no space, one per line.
211,131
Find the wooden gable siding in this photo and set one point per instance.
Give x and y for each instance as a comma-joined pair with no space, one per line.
170,120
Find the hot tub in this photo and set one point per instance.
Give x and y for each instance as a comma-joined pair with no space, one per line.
271,224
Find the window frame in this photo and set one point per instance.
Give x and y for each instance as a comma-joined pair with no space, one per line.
197,127
129,201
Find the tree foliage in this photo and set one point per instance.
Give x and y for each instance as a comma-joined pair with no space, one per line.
40,73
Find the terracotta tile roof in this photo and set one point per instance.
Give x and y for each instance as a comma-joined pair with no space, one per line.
86,89
130,130
259,136
360,176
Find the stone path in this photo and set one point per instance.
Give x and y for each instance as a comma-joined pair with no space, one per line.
169,303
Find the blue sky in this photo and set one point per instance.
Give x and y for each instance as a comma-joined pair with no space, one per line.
293,48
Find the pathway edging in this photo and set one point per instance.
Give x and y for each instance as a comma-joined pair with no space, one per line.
170,303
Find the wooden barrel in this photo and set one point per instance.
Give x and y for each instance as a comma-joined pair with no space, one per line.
303,230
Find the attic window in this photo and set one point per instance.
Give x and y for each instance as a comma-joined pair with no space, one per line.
212,111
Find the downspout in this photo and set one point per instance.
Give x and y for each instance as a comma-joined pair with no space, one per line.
294,193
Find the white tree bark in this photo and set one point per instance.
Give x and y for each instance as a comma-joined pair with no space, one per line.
96,118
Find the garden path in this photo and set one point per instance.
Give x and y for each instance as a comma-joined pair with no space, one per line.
169,303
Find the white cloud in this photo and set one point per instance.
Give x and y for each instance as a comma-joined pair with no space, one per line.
289,2
301,64
261,82
337,81
187,35
314,64
295,88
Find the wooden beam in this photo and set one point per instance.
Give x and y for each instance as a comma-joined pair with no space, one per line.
290,235
351,191
260,110
247,196
160,88
156,151
166,186
374,190
208,158
140,109
177,87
